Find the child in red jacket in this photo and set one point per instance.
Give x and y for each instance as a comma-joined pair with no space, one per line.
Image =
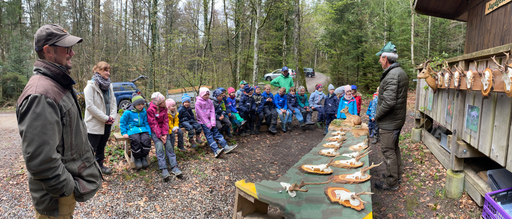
358,98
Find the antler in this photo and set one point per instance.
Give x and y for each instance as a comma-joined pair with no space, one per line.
447,67
357,195
330,162
358,157
295,187
364,169
459,69
501,68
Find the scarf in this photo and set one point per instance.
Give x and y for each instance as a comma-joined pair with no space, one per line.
103,83
348,96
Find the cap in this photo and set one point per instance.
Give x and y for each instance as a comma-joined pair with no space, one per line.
284,68
354,87
53,35
243,82
389,47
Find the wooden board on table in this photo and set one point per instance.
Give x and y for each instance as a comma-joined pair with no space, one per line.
486,125
500,141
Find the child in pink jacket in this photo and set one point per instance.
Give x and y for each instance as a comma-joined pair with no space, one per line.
205,114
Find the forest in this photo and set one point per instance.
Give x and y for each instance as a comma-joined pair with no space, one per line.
185,43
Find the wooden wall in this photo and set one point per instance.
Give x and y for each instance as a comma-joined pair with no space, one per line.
488,31
494,134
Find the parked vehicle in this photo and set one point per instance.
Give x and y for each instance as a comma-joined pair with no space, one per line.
309,72
124,90
274,74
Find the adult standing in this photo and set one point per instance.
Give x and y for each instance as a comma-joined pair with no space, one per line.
284,80
58,156
390,115
100,111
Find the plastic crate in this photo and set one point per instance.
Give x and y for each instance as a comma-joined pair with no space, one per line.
492,209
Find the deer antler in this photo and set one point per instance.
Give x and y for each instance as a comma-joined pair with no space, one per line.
358,195
330,162
501,68
358,157
364,169
447,67
295,187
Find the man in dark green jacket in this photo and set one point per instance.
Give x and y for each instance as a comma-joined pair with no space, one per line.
59,158
390,115
284,80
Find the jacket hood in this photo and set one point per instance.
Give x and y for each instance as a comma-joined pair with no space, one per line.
386,71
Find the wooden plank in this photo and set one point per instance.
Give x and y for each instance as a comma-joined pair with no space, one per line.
433,145
458,113
418,92
464,150
451,98
480,185
470,99
509,154
457,162
500,139
487,115
435,98
475,138
482,53
421,99
442,119
473,193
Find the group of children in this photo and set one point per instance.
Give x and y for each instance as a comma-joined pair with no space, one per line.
217,112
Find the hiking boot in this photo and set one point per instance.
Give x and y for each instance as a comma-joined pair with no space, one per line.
218,152
372,134
382,185
289,126
229,148
138,164
198,139
182,148
192,142
145,163
399,179
176,171
309,122
243,134
252,132
105,170
228,134
272,129
165,175
375,140
283,127
302,124
325,132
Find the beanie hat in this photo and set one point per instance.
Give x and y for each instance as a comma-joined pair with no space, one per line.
222,89
340,90
203,91
301,87
353,87
231,90
170,102
216,93
243,82
331,87
318,86
137,99
256,87
185,98
348,88
248,89
157,98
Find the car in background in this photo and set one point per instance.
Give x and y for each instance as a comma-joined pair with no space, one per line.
309,72
124,91
274,74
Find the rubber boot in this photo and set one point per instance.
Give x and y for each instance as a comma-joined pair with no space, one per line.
272,129
198,139
192,142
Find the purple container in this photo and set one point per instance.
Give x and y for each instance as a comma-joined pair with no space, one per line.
492,209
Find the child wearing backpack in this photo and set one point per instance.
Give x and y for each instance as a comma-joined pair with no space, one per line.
174,123
188,121
159,124
330,106
205,112
134,126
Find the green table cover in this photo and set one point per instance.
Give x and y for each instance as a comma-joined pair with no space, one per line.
314,203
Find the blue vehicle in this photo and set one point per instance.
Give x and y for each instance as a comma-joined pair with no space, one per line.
124,90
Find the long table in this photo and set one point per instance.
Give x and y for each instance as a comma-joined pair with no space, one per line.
255,197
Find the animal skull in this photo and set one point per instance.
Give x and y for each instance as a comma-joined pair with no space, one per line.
486,79
447,79
470,77
507,78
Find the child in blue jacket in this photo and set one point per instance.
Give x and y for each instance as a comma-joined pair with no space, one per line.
134,126
330,106
281,104
293,109
372,125
258,98
189,122
347,100
315,100
248,109
269,110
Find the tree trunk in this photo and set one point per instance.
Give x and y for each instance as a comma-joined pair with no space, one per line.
154,40
428,44
230,61
95,30
385,23
299,70
412,33
256,28
285,31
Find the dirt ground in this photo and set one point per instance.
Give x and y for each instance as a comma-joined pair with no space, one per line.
207,189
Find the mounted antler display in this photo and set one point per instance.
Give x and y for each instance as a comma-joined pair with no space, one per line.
332,145
337,138
345,197
318,169
293,188
506,71
331,152
357,177
457,77
447,75
338,133
429,75
361,146
487,78
352,163
470,77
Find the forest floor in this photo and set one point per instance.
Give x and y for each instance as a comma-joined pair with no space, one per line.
207,189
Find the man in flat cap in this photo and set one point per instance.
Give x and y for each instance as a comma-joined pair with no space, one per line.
59,158
390,115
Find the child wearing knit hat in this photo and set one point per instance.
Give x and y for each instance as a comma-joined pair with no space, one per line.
358,97
316,104
347,101
134,126
188,121
174,123
330,106
159,124
236,120
248,109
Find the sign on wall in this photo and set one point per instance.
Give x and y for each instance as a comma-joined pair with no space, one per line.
495,4
472,118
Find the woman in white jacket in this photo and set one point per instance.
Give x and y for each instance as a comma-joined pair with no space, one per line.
100,111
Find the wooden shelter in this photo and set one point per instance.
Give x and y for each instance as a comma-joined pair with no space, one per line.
478,126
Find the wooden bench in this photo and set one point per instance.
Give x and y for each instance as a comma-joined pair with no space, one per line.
127,149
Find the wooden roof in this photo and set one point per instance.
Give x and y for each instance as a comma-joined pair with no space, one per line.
449,9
